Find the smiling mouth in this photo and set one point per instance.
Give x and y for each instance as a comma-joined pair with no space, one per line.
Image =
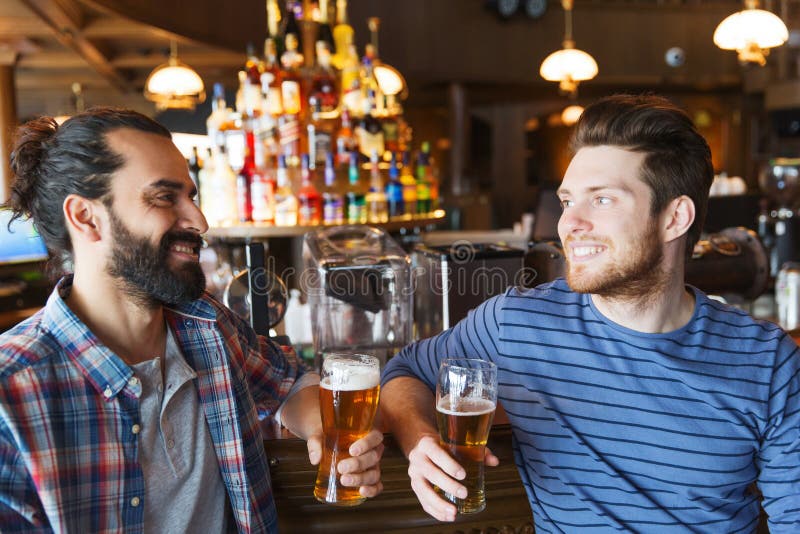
189,250
580,252
585,252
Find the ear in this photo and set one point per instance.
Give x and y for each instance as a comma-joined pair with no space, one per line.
678,217
83,217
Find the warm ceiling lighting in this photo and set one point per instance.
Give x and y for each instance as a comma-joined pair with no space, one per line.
751,32
568,66
174,84
571,114
389,79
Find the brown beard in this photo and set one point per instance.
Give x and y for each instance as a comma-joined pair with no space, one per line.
633,278
141,267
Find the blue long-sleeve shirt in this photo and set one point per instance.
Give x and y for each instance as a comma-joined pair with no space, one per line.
617,430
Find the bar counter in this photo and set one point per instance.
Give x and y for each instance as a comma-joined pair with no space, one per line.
396,509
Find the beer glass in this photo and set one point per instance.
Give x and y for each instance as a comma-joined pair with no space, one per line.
348,400
466,397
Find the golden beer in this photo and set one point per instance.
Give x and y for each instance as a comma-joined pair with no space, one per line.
348,399
463,432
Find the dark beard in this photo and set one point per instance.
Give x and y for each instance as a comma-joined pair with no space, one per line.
633,280
142,269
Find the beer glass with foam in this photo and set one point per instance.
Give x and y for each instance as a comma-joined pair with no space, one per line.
348,398
466,397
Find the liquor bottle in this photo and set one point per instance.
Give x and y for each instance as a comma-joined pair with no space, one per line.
289,25
345,140
325,34
377,210
205,179
354,195
409,185
369,131
430,176
240,103
262,193
423,188
324,87
332,199
394,191
248,174
351,97
195,164
342,35
308,198
291,82
219,189
320,132
368,82
272,103
289,124
285,200
215,124
273,19
252,83
391,133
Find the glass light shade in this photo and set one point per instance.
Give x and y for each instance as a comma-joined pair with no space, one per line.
174,85
389,79
568,64
750,27
571,114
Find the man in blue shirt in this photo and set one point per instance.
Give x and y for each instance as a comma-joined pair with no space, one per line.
636,402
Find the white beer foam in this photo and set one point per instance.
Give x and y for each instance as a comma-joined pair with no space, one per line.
345,377
479,407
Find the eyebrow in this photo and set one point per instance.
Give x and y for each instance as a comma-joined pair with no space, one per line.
166,183
623,188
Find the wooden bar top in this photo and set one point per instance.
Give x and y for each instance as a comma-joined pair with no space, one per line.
396,509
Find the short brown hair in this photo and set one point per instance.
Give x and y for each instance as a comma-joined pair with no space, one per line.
677,158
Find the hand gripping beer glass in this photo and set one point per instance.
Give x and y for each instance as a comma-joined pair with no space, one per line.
466,397
348,399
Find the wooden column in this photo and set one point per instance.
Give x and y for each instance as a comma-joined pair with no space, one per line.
459,137
8,117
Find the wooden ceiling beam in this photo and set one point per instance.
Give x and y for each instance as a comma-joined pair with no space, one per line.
23,27
118,28
65,19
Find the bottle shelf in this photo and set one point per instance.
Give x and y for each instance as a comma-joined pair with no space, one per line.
262,231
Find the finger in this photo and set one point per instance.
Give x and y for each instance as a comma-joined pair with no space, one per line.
370,441
314,446
440,458
421,467
361,463
490,459
433,504
371,491
365,478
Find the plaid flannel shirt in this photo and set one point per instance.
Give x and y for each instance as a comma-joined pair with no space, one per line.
69,415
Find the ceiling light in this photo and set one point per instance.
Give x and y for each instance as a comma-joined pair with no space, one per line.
389,79
174,84
568,66
751,32
571,114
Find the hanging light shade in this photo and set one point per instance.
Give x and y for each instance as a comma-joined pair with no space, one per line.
390,81
571,114
568,66
174,84
751,32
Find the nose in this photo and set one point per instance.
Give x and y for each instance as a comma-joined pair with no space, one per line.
194,219
573,221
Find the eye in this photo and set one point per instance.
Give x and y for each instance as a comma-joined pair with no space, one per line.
602,201
565,203
168,198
